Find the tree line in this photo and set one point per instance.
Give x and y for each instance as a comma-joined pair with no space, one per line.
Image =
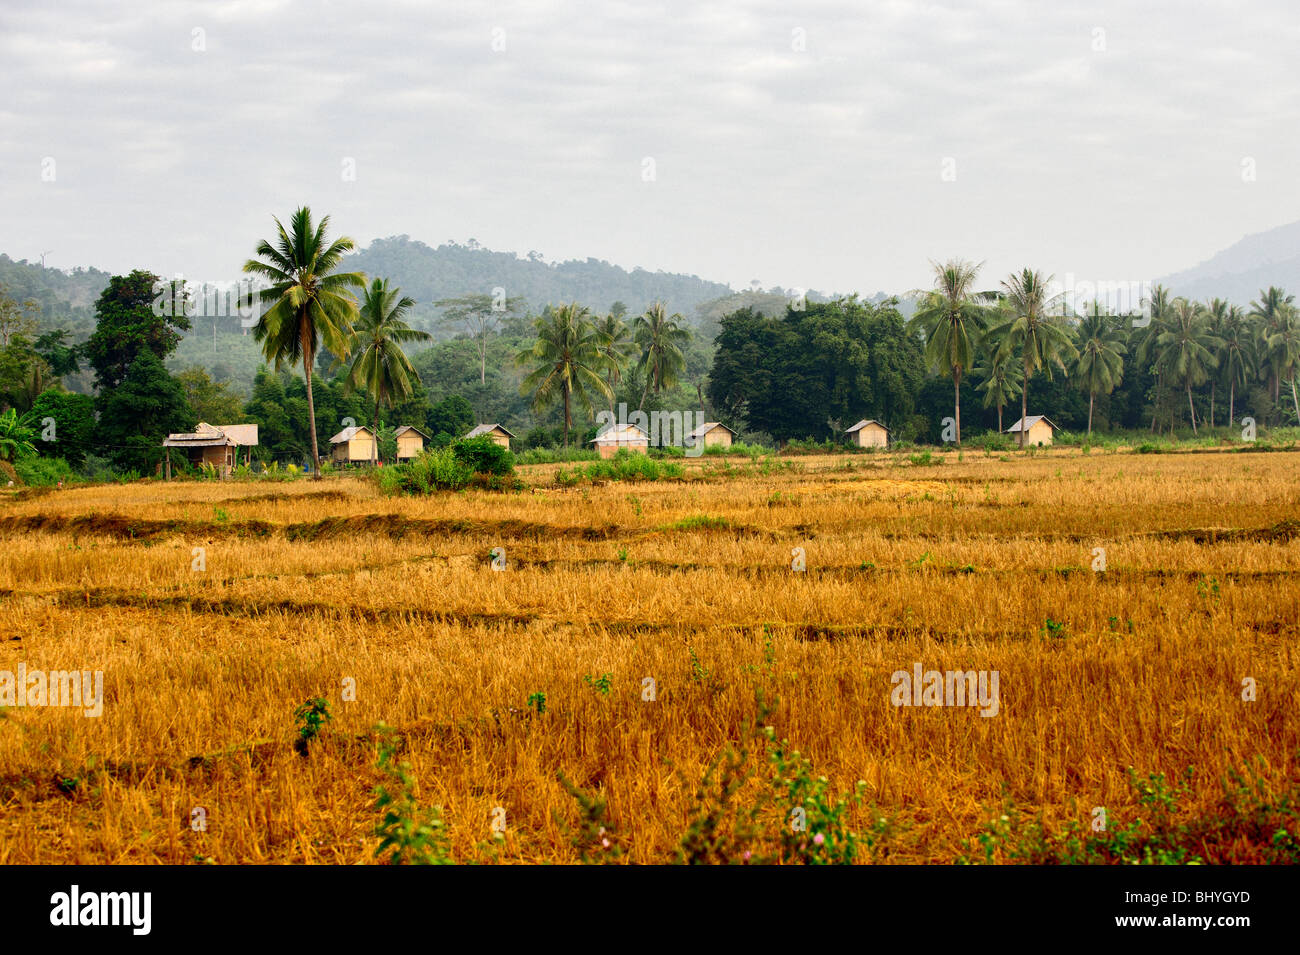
338,344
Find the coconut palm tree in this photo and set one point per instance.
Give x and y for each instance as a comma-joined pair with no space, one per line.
1270,310
310,302
617,346
1041,340
660,338
379,365
1236,356
1145,351
952,317
999,386
566,362
1187,349
1216,316
1099,367
1284,349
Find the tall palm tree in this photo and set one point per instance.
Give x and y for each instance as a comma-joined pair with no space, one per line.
1042,340
999,386
378,363
660,339
1270,310
616,346
1145,352
566,362
1284,349
1216,317
1099,367
1186,350
952,317
1236,356
310,302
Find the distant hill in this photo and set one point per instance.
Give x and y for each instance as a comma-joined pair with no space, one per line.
1241,270
66,299
428,274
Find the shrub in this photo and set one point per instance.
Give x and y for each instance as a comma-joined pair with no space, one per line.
556,455
437,470
624,466
484,456
43,472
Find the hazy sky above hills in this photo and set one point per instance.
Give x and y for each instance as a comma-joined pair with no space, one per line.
802,148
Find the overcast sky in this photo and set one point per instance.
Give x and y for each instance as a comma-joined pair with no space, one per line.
829,145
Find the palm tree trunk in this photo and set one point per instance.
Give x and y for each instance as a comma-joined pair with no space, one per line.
482,361
1155,410
311,414
1191,407
567,422
1232,398
1024,404
375,434
1294,400
1213,385
999,419
956,394
1091,397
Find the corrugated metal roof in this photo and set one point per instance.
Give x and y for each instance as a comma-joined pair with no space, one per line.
482,429
616,433
863,423
409,427
203,436
241,434
708,426
347,434
1030,420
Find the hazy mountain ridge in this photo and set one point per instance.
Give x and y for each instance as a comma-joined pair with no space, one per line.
1239,272
428,274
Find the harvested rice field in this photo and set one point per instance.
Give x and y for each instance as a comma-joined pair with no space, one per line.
625,672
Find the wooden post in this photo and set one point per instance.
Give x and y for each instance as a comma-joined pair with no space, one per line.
169,463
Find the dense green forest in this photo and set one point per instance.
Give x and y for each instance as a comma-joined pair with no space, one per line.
92,353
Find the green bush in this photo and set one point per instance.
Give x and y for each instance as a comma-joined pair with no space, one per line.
43,472
624,466
436,470
556,455
482,455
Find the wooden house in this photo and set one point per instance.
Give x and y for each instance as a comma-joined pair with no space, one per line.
354,445
496,432
1039,430
410,442
621,436
711,434
869,433
213,445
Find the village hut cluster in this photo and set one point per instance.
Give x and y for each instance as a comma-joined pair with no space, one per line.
219,446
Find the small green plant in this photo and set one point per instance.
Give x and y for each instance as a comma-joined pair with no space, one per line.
601,684
595,838
1054,628
221,516
310,717
1208,589
537,702
622,554
409,834
699,673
